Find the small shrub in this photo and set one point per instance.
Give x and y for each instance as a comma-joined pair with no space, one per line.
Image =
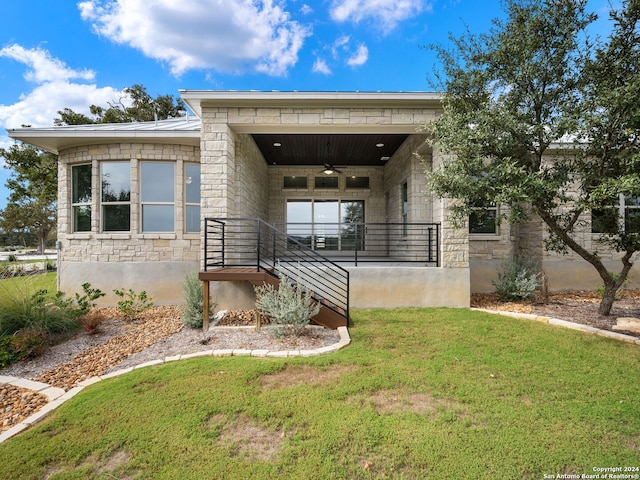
29,343
86,301
518,279
49,265
289,307
91,322
12,258
132,303
7,353
193,308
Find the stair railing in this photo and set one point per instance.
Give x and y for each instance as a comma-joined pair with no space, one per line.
252,242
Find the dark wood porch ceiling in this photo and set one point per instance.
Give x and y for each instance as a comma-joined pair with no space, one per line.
339,150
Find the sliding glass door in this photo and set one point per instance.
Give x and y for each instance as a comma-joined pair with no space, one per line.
330,225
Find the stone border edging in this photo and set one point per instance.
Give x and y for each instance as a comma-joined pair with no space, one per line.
57,396
563,323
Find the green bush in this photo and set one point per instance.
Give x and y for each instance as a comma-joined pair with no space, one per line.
193,308
20,309
518,279
132,303
29,343
289,307
7,354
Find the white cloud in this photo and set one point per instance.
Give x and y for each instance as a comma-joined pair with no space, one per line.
306,9
57,86
341,43
320,66
43,67
360,57
385,13
226,36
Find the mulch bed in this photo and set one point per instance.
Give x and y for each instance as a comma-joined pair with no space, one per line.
578,306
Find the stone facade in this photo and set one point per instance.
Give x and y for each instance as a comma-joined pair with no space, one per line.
88,256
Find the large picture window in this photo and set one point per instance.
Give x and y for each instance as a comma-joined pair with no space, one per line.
157,195
81,197
192,197
326,224
116,196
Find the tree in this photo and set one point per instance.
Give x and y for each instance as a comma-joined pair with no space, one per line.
512,94
136,105
34,190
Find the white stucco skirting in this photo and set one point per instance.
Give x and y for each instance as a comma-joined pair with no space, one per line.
57,396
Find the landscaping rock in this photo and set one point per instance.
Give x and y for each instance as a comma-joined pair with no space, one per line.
627,324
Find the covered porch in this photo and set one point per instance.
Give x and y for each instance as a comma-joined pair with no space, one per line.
338,176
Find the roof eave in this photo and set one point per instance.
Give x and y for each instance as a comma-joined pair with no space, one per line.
52,141
196,99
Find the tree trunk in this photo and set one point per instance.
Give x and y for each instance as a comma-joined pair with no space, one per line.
611,282
608,297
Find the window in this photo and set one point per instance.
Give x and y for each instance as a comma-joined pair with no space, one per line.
625,214
483,221
357,182
326,182
326,224
192,197
295,182
116,196
157,195
81,197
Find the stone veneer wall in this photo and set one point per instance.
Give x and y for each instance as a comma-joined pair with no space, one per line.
100,257
454,241
251,187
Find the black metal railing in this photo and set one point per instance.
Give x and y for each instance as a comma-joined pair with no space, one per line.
251,242
416,243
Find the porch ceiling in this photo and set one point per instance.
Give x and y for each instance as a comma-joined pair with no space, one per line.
335,149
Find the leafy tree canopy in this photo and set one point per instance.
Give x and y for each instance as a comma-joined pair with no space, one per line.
540,119
34,190
136,105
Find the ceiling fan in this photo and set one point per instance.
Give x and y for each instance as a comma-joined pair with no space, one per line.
330,169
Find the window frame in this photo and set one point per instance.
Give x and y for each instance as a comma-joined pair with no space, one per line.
77,205
618,212
104,203
156,203
489,208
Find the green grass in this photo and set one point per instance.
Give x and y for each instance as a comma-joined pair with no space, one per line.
28,283
420,393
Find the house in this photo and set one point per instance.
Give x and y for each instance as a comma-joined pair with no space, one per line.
311,183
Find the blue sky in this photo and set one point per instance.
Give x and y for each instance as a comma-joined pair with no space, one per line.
70,53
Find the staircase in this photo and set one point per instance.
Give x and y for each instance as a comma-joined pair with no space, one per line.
252,250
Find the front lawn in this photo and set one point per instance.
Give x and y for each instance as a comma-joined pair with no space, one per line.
420,393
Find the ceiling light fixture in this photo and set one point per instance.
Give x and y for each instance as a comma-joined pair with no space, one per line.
384,159
277,144
328,171
379,145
